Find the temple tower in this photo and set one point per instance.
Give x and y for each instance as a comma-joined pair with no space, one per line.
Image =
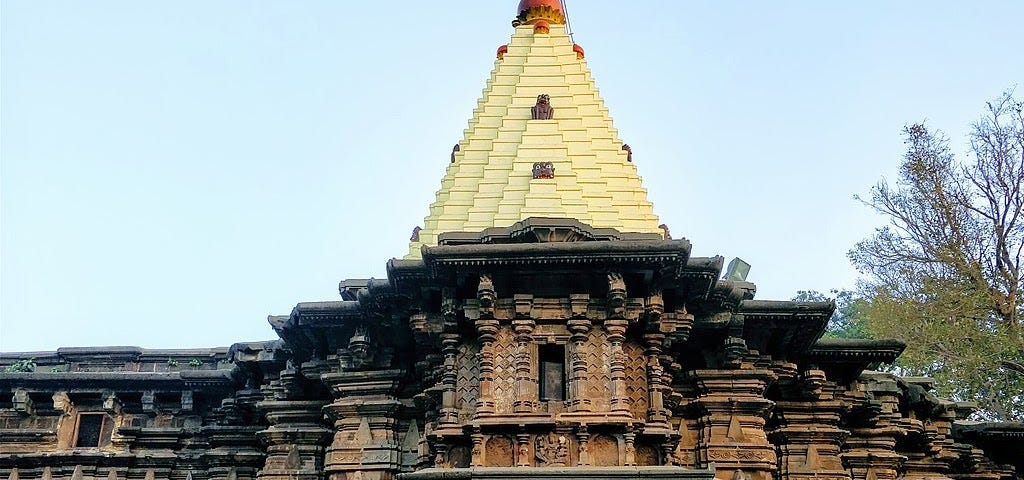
540,144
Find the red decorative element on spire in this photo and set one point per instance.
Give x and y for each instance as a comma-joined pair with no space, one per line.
541,26
579,51
502,50
532,11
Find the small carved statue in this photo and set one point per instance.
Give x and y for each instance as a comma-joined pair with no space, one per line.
456,149
543,170
485,291
415,234
616,288
543,109
664,228
360,349
629,152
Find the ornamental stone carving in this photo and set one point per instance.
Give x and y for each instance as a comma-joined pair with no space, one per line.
543,109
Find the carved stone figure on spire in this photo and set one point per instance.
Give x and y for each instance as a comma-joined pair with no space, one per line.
543,109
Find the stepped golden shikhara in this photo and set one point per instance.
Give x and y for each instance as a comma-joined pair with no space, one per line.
491,183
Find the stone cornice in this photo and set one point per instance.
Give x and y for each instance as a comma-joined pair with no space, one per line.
119,380
672,253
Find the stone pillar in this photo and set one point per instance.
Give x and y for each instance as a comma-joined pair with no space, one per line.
629,438
870,452
932,461
583,439
235,452
450,349
365,445
486,329
579,328
616,325
477,454
616,335
523,457
526,384
732,423
809,440
656,412
295,440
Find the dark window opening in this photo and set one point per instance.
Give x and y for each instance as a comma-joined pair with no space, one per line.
94,430
552,372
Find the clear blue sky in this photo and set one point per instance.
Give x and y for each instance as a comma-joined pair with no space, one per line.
172,172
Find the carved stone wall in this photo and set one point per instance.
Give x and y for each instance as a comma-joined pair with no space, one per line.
467,386
599,380
636,379
504,380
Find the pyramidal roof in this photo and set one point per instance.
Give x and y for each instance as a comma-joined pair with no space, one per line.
510,166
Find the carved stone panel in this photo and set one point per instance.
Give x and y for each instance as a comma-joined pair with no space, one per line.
459,456
646,455
604,451
552,450
500,452
467,383
599,380
636,379
504,384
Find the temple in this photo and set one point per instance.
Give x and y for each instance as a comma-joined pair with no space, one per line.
543,324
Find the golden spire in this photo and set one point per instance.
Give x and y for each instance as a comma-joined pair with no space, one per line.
540,144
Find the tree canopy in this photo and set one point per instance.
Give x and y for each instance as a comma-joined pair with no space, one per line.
945,274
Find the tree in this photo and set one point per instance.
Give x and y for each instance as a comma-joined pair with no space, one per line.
945,274
845,321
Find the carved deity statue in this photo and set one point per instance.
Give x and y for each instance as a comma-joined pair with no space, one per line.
552,450
543,109
543,170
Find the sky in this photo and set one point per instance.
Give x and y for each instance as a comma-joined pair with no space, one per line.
173,172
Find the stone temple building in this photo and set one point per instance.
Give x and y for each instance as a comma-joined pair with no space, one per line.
543,324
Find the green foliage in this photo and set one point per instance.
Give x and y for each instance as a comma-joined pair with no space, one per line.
945,274
845,321
172,362
195,363
25,365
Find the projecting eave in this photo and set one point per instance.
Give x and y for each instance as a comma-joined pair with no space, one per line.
1002,441
784,328
845,359
314,327
701,275
322,328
